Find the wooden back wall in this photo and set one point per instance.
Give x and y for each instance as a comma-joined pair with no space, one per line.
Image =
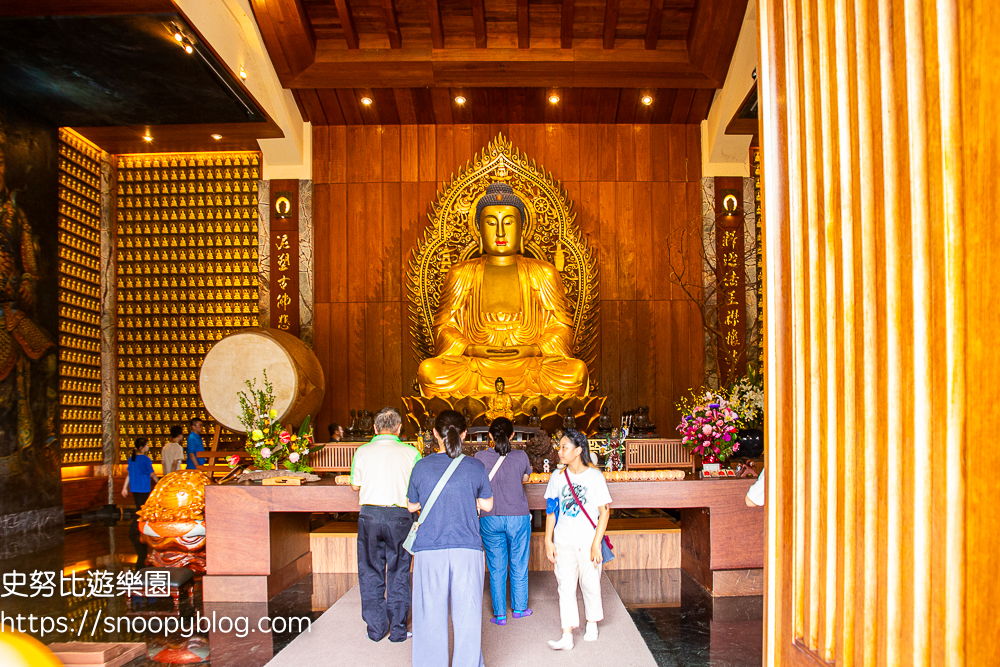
630,185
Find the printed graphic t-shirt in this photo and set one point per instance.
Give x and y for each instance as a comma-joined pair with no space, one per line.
508,489
452,522
573,527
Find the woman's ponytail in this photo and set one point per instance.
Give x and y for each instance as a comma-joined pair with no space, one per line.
502,430
138,444
450,425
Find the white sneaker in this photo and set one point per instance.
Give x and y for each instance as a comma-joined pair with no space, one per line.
564,644
591,634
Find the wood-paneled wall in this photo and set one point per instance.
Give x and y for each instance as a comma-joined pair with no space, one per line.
630,185
881,160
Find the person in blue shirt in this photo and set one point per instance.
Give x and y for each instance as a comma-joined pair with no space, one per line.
195,444
448,564
140,477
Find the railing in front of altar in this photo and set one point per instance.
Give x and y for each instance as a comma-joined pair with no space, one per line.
656,454
334,457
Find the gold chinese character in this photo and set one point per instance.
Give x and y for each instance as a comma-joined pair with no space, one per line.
283,301
283,322
283,282
729,240
732,318
731,259
282,243
731,301
731,280
284,261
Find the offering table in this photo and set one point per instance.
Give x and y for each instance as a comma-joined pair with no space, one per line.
258,536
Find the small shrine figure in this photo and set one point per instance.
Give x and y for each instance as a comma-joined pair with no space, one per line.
545,466
500,404
534,421
569,421
468,417
353,426
367,423
604,423
429,421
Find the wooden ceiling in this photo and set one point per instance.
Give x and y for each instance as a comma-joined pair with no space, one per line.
413,56
497,106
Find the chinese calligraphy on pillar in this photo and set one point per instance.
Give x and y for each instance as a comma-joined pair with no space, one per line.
731,272
758,217
285,256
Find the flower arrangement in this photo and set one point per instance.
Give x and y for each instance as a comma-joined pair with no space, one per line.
708,425
268,442
746,397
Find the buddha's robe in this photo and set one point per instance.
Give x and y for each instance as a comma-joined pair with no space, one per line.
544,320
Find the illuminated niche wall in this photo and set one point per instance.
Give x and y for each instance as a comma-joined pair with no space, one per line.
187,276
79,300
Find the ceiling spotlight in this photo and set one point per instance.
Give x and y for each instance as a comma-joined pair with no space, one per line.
146,137
647,100
243,73
367,101
178,36
554,99
216,136
459,99
189,48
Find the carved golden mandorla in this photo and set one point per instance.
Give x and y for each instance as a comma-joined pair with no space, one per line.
453,237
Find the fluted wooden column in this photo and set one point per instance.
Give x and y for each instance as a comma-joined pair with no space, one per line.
881,156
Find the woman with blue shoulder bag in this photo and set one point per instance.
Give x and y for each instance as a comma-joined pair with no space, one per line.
447,488
574,539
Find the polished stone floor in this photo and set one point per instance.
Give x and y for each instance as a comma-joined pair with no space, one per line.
681,624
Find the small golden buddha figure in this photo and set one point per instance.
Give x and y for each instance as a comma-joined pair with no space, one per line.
503,314
501,404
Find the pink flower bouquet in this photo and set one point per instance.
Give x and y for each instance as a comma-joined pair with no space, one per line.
708,425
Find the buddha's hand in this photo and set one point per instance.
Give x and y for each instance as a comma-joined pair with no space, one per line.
494,352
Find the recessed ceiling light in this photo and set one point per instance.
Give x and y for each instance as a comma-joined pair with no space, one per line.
243,73
146,137
459,99
189,48
367,101
647,100
216,136
179,37
554,99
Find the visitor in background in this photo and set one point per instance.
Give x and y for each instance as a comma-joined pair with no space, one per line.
140,477
195,444
572,542
336,432
506,529
173,454
380,474
448,564
755,494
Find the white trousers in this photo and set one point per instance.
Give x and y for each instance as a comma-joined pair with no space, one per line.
573,564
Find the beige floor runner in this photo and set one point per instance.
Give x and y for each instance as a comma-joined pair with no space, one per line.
338,636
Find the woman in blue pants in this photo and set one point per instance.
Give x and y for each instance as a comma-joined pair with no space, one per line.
506,529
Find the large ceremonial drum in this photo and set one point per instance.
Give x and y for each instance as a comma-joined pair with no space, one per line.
292,369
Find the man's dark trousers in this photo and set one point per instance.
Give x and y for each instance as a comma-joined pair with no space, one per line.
384,570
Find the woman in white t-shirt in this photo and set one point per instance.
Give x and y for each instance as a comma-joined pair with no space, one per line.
572,542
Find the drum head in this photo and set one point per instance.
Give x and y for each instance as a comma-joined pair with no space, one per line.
240,357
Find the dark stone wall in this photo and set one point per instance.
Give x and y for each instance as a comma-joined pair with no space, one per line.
30,485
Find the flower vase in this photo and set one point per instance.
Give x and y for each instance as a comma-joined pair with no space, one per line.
709,458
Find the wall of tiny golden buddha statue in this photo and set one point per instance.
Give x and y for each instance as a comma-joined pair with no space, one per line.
79,300
187,275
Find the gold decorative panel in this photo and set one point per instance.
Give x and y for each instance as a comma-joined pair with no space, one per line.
188,268
79,300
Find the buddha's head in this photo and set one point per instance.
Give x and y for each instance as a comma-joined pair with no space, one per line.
500,216
499,384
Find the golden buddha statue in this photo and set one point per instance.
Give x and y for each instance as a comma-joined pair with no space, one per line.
501,404
503,314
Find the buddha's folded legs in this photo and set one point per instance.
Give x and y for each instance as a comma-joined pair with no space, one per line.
471,376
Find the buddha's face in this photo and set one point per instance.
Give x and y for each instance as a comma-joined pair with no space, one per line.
499,385
500,226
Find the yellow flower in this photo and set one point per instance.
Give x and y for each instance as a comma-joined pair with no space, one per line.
273,414
256,434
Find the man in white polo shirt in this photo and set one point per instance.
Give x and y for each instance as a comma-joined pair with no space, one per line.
380,474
